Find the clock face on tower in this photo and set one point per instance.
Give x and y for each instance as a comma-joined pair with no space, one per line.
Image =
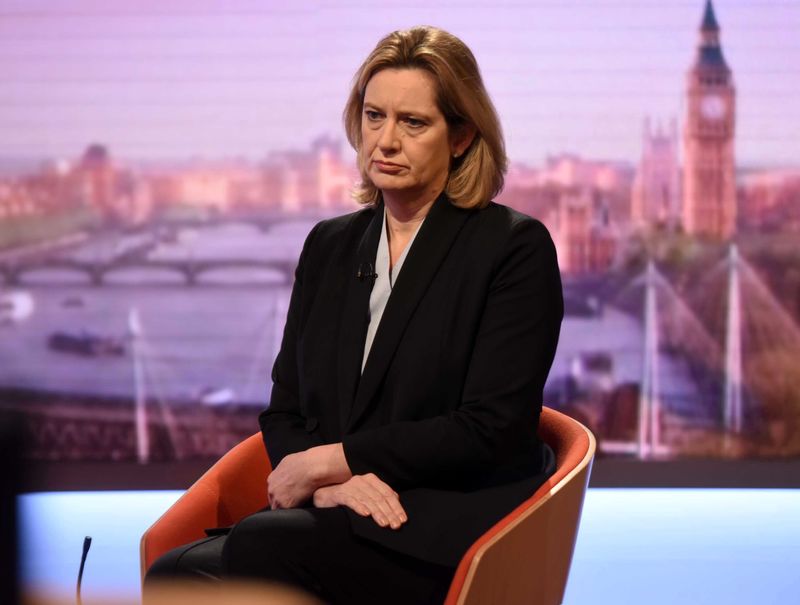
713,107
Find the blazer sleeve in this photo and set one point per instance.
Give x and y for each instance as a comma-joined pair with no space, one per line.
284,427
502,395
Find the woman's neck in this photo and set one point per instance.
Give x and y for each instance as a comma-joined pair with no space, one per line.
403,217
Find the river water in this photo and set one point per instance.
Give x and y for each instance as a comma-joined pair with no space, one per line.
221,333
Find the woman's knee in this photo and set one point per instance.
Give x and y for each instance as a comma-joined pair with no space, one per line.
165,566
268,540
197,560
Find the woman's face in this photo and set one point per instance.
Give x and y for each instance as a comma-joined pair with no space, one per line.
405,144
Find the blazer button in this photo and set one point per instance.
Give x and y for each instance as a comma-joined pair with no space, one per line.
311,424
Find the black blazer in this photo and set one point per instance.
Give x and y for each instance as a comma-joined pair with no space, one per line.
448,405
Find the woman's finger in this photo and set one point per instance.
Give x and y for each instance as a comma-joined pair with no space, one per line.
353,503
382,501
390,501
371,499
358,495
369,496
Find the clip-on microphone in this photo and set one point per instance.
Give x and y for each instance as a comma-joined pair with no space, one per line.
366,271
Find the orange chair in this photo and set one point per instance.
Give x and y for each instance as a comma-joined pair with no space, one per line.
524,558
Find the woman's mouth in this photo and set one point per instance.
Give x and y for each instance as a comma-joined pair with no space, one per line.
389,168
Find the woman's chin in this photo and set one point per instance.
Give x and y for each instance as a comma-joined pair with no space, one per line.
389,183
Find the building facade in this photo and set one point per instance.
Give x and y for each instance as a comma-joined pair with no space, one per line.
656,200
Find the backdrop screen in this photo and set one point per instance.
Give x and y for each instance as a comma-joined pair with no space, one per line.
162,162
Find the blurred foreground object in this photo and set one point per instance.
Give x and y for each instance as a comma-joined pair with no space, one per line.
193,593
10,478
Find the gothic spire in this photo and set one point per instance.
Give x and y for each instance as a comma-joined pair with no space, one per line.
710,51
709,18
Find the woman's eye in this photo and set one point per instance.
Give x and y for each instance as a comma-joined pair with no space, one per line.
414,123
372,115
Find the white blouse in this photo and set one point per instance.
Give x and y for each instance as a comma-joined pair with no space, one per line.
382,288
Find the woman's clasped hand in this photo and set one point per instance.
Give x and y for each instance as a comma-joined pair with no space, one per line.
368,496
321,474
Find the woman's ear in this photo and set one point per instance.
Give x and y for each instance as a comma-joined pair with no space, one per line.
462,139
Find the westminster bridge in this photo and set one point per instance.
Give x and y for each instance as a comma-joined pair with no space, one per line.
98,272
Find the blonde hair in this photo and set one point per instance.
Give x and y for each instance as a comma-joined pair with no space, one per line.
477,175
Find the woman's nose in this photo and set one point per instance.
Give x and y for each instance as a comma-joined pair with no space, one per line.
389,133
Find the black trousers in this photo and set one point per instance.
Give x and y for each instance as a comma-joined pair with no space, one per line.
312,549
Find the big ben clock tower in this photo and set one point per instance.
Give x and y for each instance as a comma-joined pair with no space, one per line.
709,187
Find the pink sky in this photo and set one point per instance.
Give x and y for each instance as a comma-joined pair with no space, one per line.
172,79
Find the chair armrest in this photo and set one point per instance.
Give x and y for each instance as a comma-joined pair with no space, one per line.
233,488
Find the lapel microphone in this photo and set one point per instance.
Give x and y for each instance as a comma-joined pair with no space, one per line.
366,271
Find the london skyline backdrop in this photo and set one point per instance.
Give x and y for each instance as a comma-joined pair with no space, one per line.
179,79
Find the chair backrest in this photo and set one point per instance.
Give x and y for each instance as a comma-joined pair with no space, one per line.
525,557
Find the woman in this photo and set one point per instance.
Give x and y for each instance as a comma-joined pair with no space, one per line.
407,391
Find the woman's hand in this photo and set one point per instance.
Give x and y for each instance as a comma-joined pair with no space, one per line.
368,496
291,482
294,480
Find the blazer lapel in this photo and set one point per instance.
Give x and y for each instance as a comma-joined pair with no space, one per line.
426,254
355,315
